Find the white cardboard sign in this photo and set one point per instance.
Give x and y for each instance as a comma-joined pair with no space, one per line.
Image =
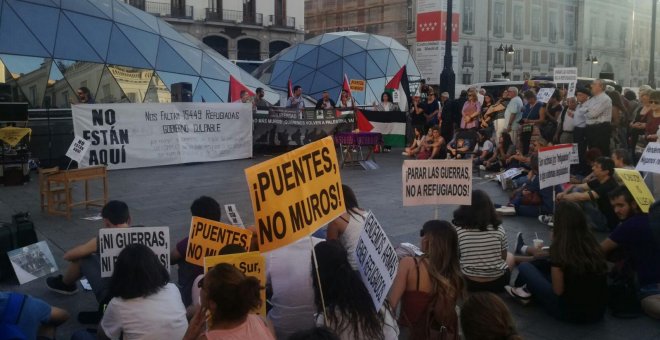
112,241
78,149
555,165
433,182
650,160
234,217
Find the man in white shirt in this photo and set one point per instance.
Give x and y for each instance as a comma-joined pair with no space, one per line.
599,118
580,125
297,101
513,113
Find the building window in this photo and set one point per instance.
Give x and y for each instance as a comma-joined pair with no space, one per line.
570,28
622,35
517,60
552,27
468,16
467,78
498,26
551,61
536,23
411,17
498,59
518,21
535,59
467,56
570,60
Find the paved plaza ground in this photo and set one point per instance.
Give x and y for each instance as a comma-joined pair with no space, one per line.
162,196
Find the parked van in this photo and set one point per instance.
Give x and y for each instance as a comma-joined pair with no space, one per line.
496,88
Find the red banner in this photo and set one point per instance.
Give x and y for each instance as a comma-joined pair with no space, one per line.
431,26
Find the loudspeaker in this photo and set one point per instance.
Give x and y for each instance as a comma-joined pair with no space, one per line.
181,92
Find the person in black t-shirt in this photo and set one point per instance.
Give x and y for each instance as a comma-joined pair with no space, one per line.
572,284
593,195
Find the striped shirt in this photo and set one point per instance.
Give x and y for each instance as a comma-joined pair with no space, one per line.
481,251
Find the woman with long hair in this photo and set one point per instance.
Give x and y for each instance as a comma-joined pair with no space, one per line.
638,125
417,142
505,149
349,310
484,316
482,245
230,297
572,285
386,103
619,118
429,286
144,304
347,227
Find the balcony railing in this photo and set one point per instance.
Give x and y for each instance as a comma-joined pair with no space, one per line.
213,14
280,21
166,10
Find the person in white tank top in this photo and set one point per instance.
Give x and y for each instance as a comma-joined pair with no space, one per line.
347,227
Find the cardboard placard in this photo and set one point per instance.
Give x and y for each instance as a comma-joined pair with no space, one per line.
565,74
650,160
357,85
377,260
575,155
32,262
555,165
545,94
251,264
637,187
295,194
232,214
433,182
113,240
78,149
207,237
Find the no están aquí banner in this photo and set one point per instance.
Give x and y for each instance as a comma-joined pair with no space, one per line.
433,182
295,194
208,237
112,241
126,136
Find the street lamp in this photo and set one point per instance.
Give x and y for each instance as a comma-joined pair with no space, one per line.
593,60
507,49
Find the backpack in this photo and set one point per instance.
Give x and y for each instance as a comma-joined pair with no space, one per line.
12,314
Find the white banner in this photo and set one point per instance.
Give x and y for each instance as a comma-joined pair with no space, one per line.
112,240
126,136
650,160
78,149
376,259
555,165
433,182
565,74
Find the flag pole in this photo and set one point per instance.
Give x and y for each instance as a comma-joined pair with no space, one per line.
318,280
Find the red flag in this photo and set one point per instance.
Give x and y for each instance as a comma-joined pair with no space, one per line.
363,123
235,89
346,86
290,89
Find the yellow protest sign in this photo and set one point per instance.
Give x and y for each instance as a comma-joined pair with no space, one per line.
635,184
295,194
207,237
251,264
12,135
357,85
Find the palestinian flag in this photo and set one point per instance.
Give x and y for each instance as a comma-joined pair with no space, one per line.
392,124
235,89
399,84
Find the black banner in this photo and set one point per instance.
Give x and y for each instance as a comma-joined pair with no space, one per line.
295,132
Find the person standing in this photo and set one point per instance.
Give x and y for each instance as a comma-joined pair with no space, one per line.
580,126
325,103
431,110
599,118
512,114
296,101
531,116
497,115
259,101
470,111
565,125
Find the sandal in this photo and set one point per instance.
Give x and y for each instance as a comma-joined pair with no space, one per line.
520,294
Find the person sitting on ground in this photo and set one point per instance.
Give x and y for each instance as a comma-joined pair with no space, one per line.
287,276
634,235
429,286
530,200
622,159
230,297
592,196
572,284
416,144
84,259
30,317
591,155
482,245
485,316
505,150
347,227
349,310
204,207
457,148
434,147
144,304
483,150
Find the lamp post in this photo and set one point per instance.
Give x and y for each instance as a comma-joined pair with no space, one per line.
507,49
448,77
593,60
652,57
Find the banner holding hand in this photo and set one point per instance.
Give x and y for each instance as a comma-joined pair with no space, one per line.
251,264
207,237
295,194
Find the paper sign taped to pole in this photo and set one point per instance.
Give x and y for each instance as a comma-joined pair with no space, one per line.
112,241
555,165
637,187
377,260
433,182
545,94
650,160
234,217
295,194
252,264
78,149
575,155
207,237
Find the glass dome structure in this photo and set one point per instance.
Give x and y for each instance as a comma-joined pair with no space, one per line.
319,64
50,48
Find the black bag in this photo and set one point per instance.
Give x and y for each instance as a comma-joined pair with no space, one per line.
623,299
548,130
6,244
25,234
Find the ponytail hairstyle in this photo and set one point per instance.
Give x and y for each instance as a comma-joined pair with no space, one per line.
484,316
443,257
234,294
